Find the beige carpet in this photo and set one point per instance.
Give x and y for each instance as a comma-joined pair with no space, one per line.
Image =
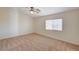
35,42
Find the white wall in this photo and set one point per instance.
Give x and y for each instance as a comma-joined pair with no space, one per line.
70,31
13,23
25,24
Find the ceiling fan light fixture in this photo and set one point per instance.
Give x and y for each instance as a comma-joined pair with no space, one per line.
33,10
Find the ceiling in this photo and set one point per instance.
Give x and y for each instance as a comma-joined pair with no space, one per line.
47,10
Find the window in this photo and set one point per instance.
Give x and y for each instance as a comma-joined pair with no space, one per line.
54,24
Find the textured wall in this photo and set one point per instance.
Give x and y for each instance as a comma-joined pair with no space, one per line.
13,23
70,31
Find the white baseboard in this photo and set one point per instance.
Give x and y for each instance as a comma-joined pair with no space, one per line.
10,36
7,36
72,42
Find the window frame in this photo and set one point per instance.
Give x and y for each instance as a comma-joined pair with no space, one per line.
54,29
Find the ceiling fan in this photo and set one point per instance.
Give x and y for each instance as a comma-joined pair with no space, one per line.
33,10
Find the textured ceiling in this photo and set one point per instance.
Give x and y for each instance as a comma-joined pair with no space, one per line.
47,10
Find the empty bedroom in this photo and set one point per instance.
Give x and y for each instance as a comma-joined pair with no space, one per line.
39,29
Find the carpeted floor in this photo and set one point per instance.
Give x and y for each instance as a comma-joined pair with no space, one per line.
35,42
